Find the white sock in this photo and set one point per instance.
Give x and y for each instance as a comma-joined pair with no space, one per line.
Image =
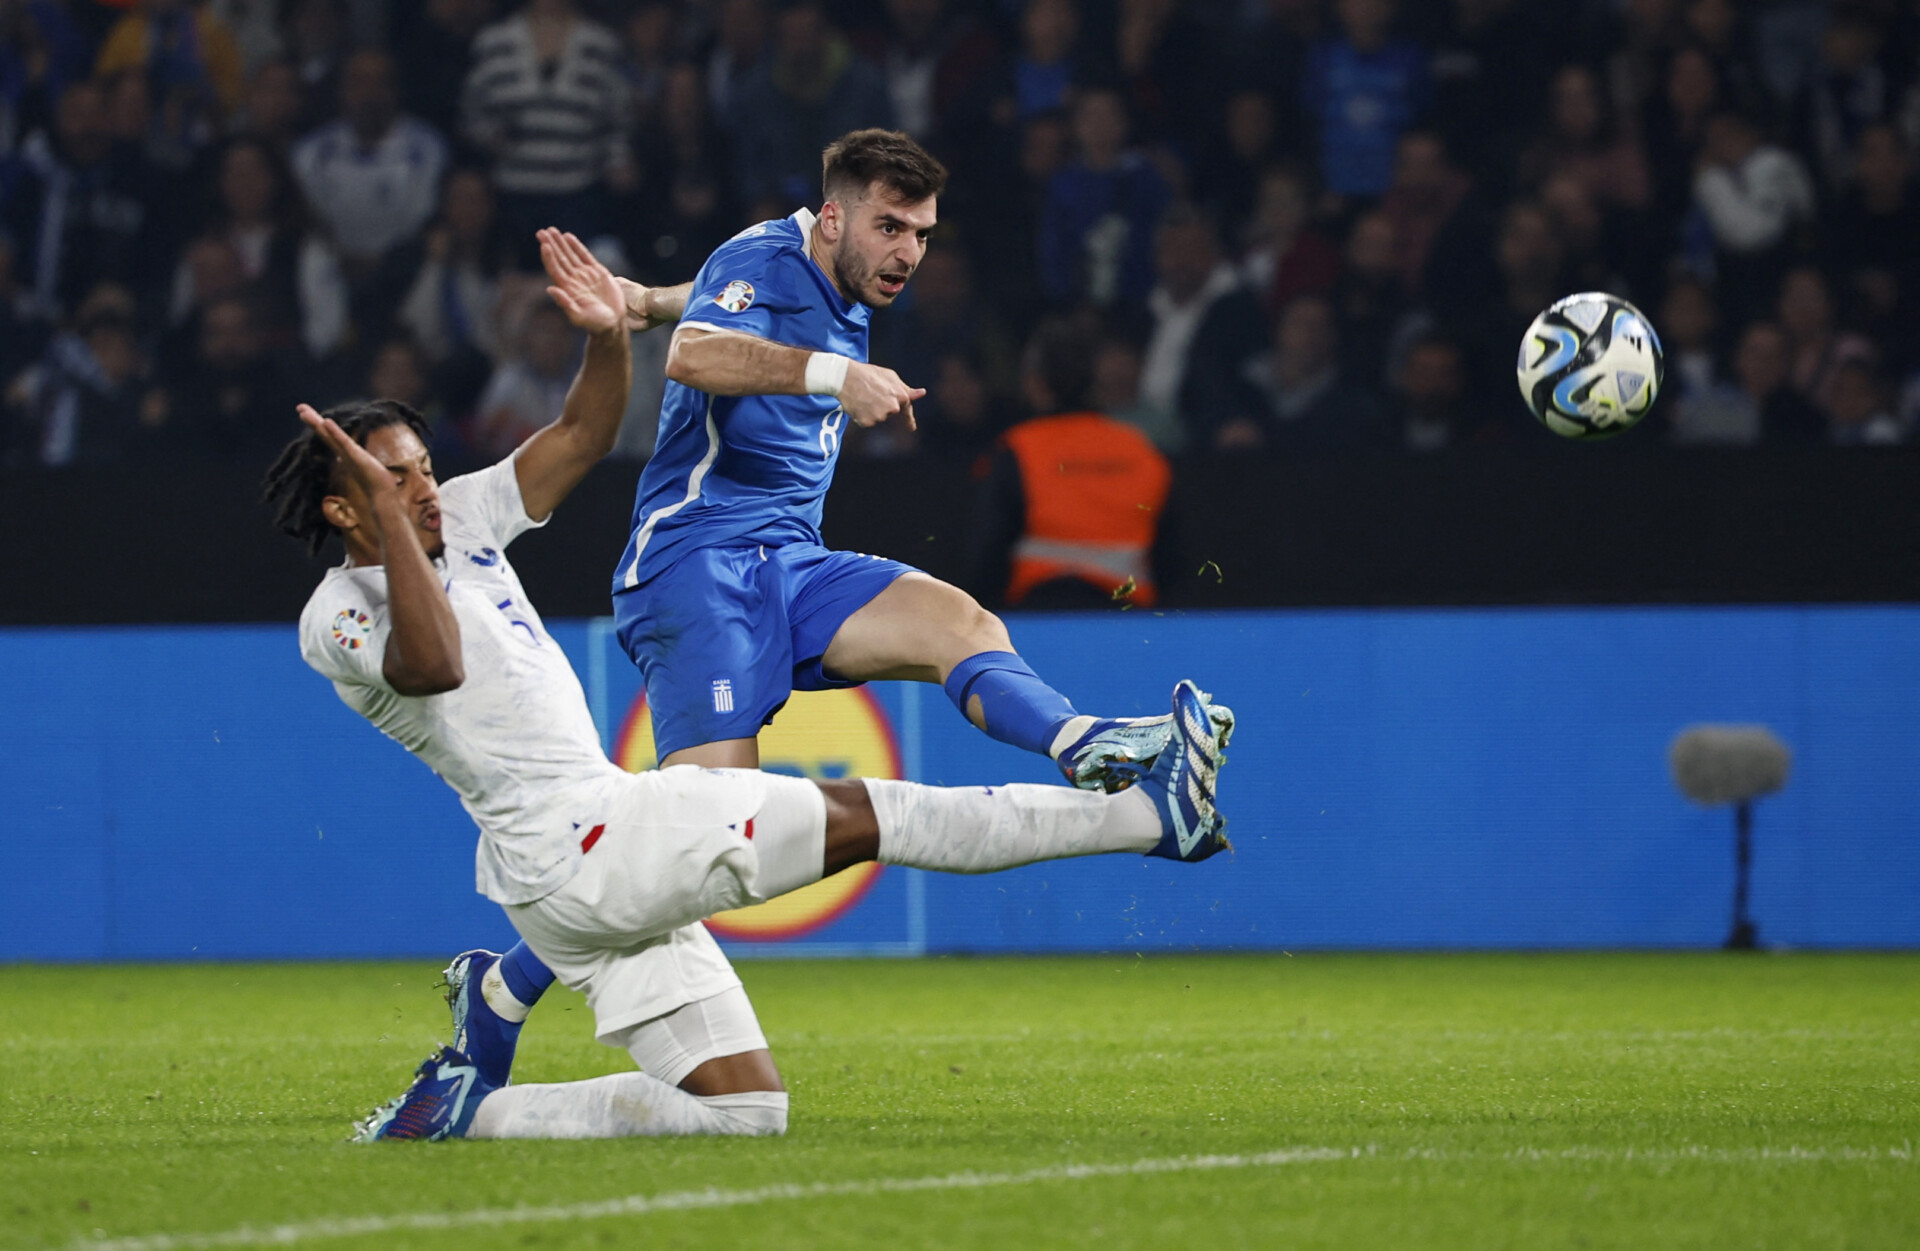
979,829
1069,733
493,989
624,1105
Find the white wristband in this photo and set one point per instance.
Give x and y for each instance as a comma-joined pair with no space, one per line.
827,373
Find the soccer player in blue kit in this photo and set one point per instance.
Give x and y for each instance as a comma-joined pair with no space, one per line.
725,597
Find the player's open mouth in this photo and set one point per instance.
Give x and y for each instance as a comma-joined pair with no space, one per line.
430,520
892,284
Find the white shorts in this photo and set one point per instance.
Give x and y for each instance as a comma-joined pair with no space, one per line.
674,1045
677,845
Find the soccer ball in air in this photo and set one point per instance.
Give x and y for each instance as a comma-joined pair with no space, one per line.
1590,366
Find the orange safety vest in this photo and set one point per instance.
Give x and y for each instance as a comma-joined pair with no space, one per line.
1095,489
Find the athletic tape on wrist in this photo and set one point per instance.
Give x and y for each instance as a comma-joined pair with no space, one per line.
827,373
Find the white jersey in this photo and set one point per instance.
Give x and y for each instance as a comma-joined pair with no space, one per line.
515,739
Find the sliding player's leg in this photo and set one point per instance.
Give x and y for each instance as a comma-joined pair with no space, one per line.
490,995
705,841
918,628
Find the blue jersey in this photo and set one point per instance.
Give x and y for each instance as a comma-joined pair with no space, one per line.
753,468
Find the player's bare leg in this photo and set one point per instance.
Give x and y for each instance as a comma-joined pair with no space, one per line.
922,630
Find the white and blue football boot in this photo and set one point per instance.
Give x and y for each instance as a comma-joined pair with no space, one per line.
1116,752
1182,779
445,1093
480,1033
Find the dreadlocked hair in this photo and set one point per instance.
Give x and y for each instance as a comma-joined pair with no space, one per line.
307,471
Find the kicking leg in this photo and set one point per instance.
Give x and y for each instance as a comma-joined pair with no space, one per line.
921,629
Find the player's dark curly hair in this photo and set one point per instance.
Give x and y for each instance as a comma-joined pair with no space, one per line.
306,471
859,158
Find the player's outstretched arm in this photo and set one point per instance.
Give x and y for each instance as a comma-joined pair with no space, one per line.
727,362
648,307
552,462
423,646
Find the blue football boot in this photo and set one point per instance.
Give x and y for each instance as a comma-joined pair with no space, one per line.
479,1032
1182,779
445,1093
1116,752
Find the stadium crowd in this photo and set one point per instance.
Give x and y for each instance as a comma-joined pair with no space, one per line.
1292,227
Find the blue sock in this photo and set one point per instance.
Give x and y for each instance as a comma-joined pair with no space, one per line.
524,975
1020,709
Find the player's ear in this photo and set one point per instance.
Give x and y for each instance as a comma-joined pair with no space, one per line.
831,219
338,511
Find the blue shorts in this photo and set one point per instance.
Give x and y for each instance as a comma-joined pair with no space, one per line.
725,634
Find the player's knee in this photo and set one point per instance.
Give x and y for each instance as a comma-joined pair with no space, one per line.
982,631
761,1114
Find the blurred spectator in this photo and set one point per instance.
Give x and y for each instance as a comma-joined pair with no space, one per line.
255,26
81,209
42,51
1116,392
400,372
1759,405
1490,64
1362,89
944,316
299,288
931,53
1427,406
373,177
230,396
1754,195
1043,72
1376,315
1285,256
23,331
1689,329
1096,225
1010,213
434,42
273,106
1438,227
85,398
529,389
1206,325
684,208
1583,140
1227,181
452,309
317,46
1603,250
1294,399
188,57
1070,499
1528,260
739,50
1156,46
1676,130
649,36
1816,346
546,101
1872,239
1857,410
1850,91
812,90
1266,51
962,413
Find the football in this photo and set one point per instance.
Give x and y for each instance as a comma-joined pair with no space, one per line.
1590,366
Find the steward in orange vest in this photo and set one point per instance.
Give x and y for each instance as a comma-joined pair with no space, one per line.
1073,500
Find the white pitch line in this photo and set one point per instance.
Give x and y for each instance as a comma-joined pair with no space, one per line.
697,1200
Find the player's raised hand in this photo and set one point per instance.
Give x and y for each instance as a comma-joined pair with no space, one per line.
641,316
361,464
871,394
586,291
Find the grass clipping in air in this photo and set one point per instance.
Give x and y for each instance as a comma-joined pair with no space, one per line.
1321,1101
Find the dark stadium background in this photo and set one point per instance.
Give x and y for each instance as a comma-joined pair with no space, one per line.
1508,152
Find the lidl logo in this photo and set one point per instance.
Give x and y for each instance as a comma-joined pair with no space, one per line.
819,734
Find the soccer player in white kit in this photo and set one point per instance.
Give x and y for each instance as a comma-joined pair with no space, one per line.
427,632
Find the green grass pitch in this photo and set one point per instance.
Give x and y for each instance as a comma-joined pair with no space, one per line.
1432,1101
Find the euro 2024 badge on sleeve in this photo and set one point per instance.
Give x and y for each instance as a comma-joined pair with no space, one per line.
735,297
351,628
